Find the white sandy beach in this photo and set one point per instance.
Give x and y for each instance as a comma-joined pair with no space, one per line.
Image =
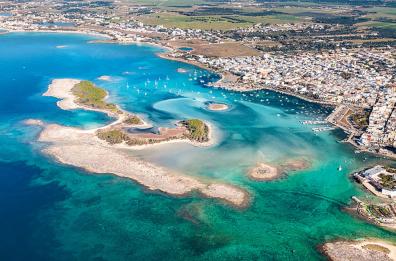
61,89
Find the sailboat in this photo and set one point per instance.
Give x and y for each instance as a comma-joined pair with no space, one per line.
339,168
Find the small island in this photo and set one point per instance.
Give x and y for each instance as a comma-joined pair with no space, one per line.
266,172
218,106
363,250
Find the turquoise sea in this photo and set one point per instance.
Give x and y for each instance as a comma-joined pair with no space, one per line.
49,211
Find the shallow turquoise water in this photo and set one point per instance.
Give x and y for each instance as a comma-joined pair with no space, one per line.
55,212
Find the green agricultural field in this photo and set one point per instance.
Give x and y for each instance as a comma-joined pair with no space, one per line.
382,10
170,3
379,25
174,20
215,22
220,16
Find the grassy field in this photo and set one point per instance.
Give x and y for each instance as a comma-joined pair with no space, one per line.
382,10
215,22
375,24
170,3
227,49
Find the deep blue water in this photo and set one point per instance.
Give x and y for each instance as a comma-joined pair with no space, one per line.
53,212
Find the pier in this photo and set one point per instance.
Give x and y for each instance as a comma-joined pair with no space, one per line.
321,129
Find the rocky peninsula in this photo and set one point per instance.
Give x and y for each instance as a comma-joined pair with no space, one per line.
87,150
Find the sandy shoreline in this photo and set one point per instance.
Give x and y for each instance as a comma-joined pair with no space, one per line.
82,148
359,250
61,89
59,31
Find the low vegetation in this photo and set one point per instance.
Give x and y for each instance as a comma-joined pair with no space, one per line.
133,120
387,181
112,136
90,95
379,211
391,170
360,119
376,247
197,130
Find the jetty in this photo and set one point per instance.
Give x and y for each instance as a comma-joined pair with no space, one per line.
321,129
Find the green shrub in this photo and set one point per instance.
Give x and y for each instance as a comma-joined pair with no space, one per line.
133,120
197,130
113,136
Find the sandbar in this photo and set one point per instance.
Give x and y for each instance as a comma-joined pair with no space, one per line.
218,107
105,78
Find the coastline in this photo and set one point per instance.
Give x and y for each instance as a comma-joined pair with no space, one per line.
358,210
62,31
165,56
219,83
195,63
108,39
